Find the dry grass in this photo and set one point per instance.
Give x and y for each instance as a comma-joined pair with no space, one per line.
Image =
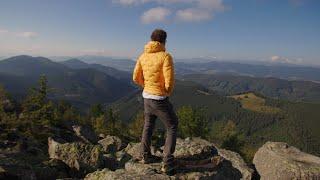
254,103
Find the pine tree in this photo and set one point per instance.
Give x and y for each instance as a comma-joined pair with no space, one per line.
100,124
193,122
38,112
96,110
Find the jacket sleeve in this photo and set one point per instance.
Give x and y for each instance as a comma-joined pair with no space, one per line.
138,74
168,73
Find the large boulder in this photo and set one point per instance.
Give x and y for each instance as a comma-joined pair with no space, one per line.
237,163
278,160
194,149
83,157
85,133
111,144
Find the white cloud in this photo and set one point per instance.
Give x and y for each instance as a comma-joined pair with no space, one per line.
204,10
193,14
280,59
158,14
27,34
198,10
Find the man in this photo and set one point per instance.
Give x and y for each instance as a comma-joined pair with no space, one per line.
154,72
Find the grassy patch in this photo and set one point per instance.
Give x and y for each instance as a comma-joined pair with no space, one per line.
252,102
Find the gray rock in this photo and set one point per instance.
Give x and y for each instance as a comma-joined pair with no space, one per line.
106,174
278,160
85,133
194,149
237,162
134,150
196,159
82,157
111,144
135,170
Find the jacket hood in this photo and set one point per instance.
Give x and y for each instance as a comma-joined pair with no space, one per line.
153,47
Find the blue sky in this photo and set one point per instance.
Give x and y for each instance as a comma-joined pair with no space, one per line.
271,30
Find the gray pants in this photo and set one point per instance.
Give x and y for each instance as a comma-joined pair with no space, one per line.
164,110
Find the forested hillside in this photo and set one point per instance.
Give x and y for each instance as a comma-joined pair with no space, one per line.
80,86
226,84
231,122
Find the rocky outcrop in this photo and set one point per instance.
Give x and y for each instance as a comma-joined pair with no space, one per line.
106,174
111,144
196,159
83,157
277,160
85,133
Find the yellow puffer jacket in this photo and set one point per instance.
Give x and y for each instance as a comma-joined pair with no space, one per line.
154,70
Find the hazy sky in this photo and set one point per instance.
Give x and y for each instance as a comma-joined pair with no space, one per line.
278,30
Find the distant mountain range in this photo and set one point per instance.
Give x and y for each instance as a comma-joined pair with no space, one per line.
120,64
253,70
68,78
215,66
78,64
81,86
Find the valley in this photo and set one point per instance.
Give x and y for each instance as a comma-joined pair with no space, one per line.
261,109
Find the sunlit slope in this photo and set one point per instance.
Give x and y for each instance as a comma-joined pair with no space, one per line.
253,102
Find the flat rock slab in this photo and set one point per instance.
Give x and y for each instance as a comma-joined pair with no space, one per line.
194,149
106,174
194,170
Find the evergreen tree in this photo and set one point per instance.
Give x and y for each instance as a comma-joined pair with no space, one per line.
96,110
193,122
7,107
100,124
38,112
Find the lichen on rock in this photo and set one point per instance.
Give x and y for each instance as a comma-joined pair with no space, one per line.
278,160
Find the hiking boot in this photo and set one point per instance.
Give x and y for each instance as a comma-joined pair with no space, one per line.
147,159
168,169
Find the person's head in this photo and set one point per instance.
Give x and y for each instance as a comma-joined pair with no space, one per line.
159,35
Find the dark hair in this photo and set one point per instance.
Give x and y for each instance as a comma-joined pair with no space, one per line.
159,35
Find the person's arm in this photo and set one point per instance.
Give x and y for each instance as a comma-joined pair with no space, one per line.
168,72
138,74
